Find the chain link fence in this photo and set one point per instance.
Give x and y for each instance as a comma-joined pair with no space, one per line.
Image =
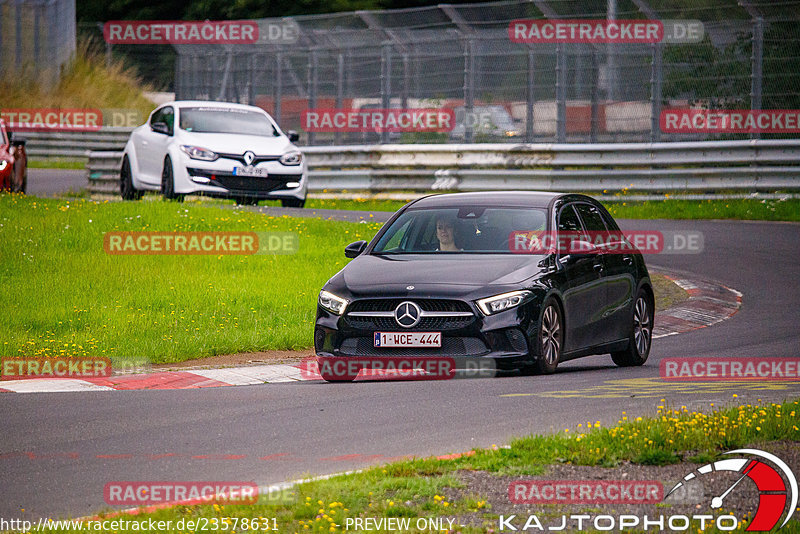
37,38
462,58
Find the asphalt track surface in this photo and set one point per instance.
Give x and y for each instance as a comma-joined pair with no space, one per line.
50,182
58,450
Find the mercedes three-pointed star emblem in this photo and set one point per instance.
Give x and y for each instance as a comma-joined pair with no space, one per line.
407,314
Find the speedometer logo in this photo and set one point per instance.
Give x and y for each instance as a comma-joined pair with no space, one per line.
773,493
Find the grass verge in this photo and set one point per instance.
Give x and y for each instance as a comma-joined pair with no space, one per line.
57,163
71,298
431,487
738,209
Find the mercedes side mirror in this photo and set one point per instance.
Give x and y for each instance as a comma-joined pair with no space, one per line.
354,249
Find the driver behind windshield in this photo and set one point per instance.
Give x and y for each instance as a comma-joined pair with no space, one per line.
446,234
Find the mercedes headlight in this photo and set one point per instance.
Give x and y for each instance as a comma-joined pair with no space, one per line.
506,301
196,152
292,158
332,303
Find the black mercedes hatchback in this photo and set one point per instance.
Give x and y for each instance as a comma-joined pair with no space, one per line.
457,275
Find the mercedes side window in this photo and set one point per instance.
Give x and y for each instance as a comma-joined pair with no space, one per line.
599,230
591,218
569,229
568,220
400,238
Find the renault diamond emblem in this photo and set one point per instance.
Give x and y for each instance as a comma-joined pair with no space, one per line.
407,314
249,157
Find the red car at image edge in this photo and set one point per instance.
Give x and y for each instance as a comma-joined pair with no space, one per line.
13,162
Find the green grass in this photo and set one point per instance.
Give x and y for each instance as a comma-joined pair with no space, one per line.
743,209
57,163
429,487
66,296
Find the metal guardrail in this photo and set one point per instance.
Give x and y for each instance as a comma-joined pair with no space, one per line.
756,165
51,144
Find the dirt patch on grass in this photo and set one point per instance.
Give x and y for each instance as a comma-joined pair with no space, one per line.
668,293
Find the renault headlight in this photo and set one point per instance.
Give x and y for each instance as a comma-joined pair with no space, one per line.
196,152
292,158
332,303
506,301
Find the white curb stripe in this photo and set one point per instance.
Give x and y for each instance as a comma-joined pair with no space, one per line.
256,374
50,385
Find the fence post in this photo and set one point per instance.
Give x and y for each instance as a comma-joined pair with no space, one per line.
337,137
223,86
612,75
561,93
406,77
195,78
278,87
386,83
469,94
313,64
656,80
594,96
530,96
757,60
178,85
251,81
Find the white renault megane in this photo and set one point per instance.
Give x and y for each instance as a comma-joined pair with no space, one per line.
217,149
